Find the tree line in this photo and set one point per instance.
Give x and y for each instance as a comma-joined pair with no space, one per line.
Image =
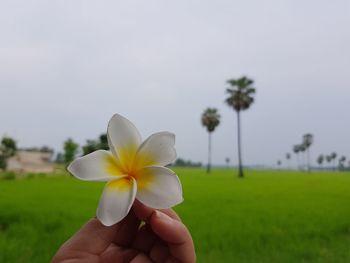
302,153
240,96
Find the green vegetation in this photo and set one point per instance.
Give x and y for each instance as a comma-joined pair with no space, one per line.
186,163
8,148
268,217
93,145
71,149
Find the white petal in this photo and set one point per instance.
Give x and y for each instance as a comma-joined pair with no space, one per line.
158,187
123,137
116,200
96,166
158,149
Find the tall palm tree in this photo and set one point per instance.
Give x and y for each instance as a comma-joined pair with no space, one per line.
308,139
227,160
288,156
329,159
210,119
320,159
302,148
334,157
296,150
240,98
341,162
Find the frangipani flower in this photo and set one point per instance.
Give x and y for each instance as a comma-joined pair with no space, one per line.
132,170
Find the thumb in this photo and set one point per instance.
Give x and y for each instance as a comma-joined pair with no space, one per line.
176,235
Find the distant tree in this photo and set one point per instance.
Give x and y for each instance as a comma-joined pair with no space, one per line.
70,150
89,147
329,158
43,149
240,98
320,159
93,145
46,149
288,157
103,142
302,150
183,163
296,150
334,157
227,160
8,148
210,119
342,162
279,163
180,162
308,140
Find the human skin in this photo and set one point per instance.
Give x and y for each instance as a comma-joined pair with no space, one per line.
145,235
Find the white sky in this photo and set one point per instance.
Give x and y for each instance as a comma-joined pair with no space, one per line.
67,66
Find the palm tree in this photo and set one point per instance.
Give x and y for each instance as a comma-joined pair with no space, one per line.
341,162
210,119
240,98
334,157
288,156
329,158
227,160
279,163
308,139
302,148
296,150
320,159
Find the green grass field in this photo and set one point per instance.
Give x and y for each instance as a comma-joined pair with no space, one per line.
266,217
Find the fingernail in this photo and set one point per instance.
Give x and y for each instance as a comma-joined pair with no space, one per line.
163,217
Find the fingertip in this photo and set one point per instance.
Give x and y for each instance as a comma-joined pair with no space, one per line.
141,258
162,217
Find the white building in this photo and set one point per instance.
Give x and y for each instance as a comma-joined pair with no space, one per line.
30,162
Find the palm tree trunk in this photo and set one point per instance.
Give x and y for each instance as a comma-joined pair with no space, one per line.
240,166
308,160
298,161
209,152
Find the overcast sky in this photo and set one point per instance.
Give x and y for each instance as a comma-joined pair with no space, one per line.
67,66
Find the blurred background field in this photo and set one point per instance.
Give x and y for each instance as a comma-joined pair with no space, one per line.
270,216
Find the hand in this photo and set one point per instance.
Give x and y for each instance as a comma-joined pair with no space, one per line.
161,238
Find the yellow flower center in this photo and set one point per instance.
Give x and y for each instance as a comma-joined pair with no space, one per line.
129,162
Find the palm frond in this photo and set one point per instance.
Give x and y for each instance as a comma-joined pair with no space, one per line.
240,93
210,119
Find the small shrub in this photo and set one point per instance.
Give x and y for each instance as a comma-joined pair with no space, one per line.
35,175
30,175
8,176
